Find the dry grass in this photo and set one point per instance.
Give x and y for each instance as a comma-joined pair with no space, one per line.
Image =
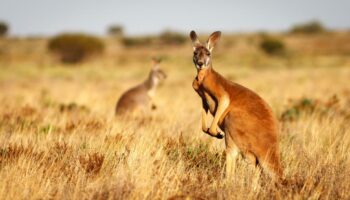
60,140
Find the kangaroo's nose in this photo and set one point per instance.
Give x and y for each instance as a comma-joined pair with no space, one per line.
200,64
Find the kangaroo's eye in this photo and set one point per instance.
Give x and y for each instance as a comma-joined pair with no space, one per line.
195,52
208,53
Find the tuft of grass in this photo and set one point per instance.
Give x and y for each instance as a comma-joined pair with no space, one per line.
92,163
195,156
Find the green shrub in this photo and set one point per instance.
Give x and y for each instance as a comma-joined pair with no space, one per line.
272,46
115,30
3,29
308,106
309,28
165,38
172,38
74,47
137,41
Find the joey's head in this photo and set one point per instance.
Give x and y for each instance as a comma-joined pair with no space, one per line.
157,75
202,52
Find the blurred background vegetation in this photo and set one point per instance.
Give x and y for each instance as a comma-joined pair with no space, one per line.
295,47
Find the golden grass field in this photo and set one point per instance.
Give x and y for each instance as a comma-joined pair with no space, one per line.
59,138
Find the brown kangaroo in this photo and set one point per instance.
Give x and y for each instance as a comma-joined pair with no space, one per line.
248,123
140,97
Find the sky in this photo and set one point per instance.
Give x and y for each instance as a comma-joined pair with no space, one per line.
49,17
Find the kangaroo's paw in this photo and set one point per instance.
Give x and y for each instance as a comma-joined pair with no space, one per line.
216,134
219,135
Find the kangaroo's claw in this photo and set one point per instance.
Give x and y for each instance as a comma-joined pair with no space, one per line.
153,107
217,134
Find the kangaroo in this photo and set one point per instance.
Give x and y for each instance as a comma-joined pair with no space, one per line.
140,97
246,119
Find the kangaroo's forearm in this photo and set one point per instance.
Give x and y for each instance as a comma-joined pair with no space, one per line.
223,103
204,120
205,109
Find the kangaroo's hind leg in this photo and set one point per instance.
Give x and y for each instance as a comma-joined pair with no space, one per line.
252,159
231,161
232,153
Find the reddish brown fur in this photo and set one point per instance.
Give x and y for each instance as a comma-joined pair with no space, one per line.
247,121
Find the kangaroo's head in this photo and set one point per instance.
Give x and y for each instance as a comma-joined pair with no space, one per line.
156,75
202,52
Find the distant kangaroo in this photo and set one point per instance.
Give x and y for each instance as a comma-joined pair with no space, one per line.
247,121
140,97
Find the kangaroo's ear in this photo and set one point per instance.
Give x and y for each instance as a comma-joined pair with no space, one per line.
213,39
194,39
155,62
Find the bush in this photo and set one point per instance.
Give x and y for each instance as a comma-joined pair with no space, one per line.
73,48
330,108
137,41
165,38
272,46
115,30
172,38
3,29
309,28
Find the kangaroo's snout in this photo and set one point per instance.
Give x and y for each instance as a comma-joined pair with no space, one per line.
200,64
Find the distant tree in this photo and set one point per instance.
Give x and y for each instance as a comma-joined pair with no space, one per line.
74,47
308,28
116,30
3,28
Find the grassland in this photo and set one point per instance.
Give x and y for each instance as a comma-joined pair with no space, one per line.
59,138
